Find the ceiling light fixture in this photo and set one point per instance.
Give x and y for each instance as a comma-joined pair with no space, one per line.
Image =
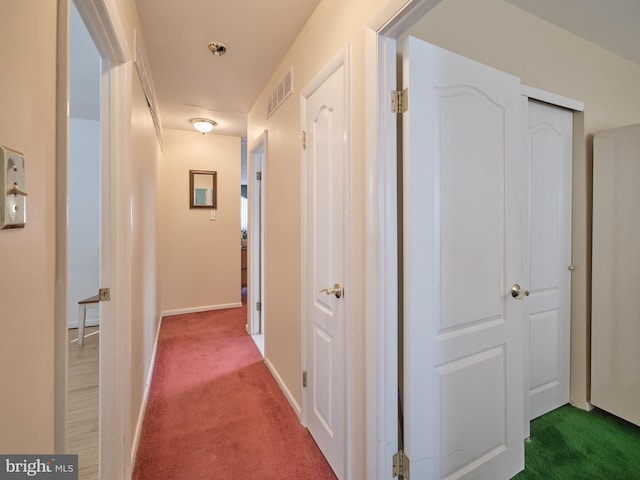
203,125
217,48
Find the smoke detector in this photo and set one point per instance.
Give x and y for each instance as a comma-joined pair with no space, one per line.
217,48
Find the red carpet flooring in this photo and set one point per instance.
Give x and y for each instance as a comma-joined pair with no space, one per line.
215,412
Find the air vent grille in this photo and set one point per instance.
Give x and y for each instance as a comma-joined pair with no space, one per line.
280,93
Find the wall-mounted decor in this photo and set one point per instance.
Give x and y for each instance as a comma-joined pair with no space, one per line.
203,189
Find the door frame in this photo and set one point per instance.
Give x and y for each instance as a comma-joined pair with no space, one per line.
340,59
393,19
104,26
257,222
381,236
532,93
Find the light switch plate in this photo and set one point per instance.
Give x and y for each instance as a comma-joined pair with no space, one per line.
13,197
213,215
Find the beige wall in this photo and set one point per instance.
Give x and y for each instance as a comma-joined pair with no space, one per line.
544,56
334,24
27,256
145,311
199,258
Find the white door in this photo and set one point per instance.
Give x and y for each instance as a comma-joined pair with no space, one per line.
463,330
547,242
324,303
115,361
256,236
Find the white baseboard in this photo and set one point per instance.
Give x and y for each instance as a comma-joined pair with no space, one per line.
145,397
284,388
181,311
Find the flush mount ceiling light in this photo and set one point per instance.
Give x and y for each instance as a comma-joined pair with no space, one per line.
203,125
217,48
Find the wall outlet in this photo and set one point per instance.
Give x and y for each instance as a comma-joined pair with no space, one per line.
213,215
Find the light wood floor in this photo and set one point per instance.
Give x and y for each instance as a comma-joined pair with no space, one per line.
82,402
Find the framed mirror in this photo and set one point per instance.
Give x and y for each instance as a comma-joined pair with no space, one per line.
203,189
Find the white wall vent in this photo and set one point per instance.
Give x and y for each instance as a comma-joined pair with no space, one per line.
281,93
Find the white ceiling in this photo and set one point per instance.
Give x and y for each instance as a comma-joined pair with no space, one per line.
190,81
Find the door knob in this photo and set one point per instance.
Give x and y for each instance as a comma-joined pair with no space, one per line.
337,290
518,293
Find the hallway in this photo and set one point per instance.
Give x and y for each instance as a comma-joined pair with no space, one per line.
215,411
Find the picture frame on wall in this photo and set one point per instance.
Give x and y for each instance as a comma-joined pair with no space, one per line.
203,189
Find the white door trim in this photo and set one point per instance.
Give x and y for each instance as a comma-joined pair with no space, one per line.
552,98
62,166
381,262
103,23
341,59
119,350
257,222
104,26
381,243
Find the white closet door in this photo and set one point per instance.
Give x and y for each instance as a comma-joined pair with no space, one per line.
547,242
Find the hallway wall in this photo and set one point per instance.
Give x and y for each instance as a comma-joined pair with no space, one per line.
337,23
145,312
199,258
27,256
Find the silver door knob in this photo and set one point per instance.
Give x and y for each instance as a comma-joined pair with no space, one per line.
518,293
337,290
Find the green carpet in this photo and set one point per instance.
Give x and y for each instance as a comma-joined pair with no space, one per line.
571,444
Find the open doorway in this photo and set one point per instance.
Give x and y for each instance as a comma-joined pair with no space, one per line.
255,240
382,168
84,246
113,355
244,220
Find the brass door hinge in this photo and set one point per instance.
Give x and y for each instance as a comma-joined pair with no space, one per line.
400,101
401,465
104,294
